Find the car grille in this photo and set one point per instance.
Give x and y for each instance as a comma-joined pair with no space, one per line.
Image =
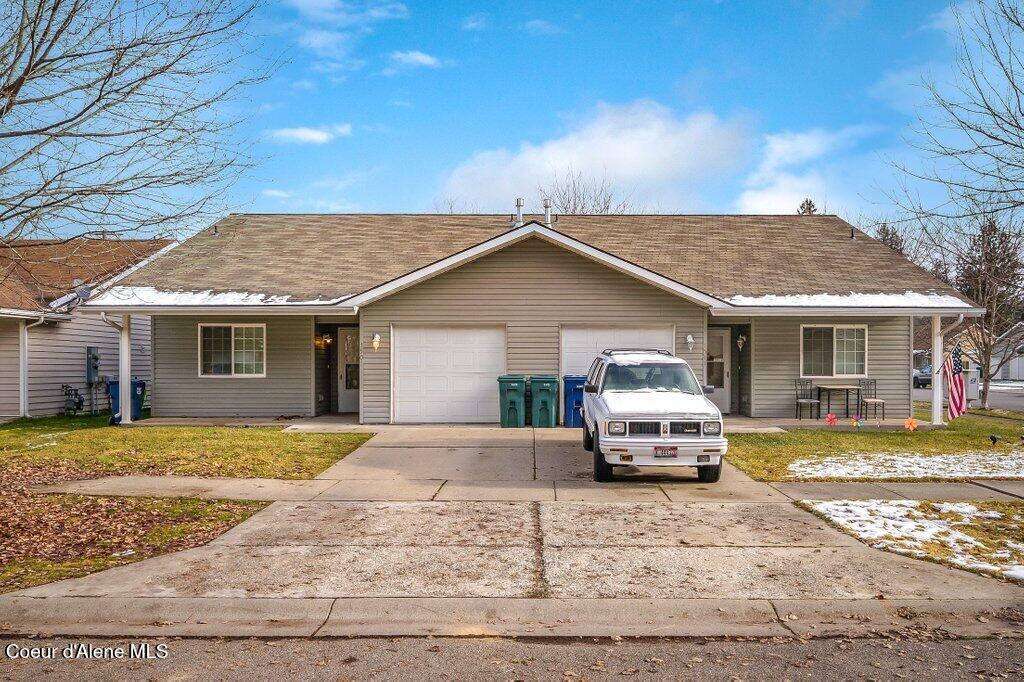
685,428
645,428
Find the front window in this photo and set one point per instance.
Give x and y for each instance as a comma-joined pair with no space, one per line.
232,350
651,377
833,351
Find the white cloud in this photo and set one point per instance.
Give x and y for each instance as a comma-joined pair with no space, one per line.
539,27
331,44
348,13
946,19
306,135
276,193
786,175
642,147
415,58
304,84
474,22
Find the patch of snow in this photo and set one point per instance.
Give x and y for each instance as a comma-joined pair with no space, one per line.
142,296
1007,386
912,465
632,359
909,299
901,526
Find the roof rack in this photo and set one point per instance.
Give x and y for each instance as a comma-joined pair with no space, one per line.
613,351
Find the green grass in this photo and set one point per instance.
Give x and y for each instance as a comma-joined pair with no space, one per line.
88,445
77,535
766,457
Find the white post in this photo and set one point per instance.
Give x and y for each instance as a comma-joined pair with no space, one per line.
22,368
937,359
125,373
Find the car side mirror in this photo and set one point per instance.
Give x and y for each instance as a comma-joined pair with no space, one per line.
589,388
708,390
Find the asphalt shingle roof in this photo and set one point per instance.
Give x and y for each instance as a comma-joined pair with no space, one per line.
312,257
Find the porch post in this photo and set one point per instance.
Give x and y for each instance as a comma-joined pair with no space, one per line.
22,368
937,359
125,373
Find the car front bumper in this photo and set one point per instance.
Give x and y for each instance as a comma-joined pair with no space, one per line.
640,451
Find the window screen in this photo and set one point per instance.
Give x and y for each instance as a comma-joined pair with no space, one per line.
817,352
851,350
232,350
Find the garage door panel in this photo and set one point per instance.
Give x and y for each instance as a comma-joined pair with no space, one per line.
580,345
448,374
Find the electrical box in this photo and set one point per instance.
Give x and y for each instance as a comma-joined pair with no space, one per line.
92,365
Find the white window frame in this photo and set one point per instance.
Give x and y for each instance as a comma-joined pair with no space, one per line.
232,375
834,327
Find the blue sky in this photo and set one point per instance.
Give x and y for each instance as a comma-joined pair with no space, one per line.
700,106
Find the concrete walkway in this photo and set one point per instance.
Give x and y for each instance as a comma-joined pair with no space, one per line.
472,532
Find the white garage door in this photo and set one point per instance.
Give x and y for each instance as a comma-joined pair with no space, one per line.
580,345
447,374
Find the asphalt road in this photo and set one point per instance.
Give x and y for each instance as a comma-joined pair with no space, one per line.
507,659
1000,400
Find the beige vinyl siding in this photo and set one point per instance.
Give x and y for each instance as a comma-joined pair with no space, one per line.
776,363
56,352
10,401
532,288
286,390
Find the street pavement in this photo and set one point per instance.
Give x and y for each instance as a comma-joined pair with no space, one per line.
509,659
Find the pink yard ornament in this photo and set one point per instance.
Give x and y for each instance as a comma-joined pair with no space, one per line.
831,419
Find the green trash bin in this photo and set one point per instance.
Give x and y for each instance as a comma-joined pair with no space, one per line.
512,400
544,396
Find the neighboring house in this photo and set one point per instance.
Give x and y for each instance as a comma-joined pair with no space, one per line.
43,331
411,318
1013,370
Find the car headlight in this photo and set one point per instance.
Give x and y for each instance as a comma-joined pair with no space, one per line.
712,428
616,428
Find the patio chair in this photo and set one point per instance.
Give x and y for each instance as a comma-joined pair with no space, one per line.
869,398
805,396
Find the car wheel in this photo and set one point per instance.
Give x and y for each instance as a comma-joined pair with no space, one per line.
588,440
602,469
709,474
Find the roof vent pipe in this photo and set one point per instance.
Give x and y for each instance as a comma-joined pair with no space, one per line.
547,212
520,202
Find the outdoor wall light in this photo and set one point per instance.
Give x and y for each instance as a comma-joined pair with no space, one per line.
689,342
741,341
375,341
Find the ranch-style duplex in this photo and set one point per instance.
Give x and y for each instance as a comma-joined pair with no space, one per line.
411,318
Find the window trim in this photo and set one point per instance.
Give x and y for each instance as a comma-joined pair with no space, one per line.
833,327
233,326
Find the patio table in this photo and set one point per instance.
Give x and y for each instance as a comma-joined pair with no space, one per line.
845,388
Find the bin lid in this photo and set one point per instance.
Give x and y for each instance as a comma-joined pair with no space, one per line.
512,377
543,377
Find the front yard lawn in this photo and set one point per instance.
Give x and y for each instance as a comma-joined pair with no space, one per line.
50,537
85,447
987,537
962,451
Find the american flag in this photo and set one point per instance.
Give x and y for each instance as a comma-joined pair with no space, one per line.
953,371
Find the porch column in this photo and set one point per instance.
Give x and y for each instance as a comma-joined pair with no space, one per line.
125,374
937,359
22,368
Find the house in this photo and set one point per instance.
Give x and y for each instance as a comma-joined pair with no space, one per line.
43,331
1009,347
410,318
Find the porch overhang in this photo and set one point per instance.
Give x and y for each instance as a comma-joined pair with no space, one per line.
837,311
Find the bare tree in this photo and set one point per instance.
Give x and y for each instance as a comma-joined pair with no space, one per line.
573,193
973,130
990,270
115,115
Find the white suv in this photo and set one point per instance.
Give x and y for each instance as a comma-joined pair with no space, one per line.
646,408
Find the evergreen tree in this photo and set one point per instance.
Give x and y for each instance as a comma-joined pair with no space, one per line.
891,237
807,208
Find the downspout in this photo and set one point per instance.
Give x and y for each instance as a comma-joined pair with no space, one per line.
115,325
23,364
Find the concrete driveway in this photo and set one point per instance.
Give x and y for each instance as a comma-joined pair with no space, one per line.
522,544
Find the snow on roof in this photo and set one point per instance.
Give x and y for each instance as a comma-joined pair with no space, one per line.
642,358
908,299
143,296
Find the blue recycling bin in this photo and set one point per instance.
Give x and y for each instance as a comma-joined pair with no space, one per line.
138,397
573,396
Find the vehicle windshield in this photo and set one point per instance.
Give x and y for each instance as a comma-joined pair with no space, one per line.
651,377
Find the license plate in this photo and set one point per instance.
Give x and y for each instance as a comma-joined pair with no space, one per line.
666,451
